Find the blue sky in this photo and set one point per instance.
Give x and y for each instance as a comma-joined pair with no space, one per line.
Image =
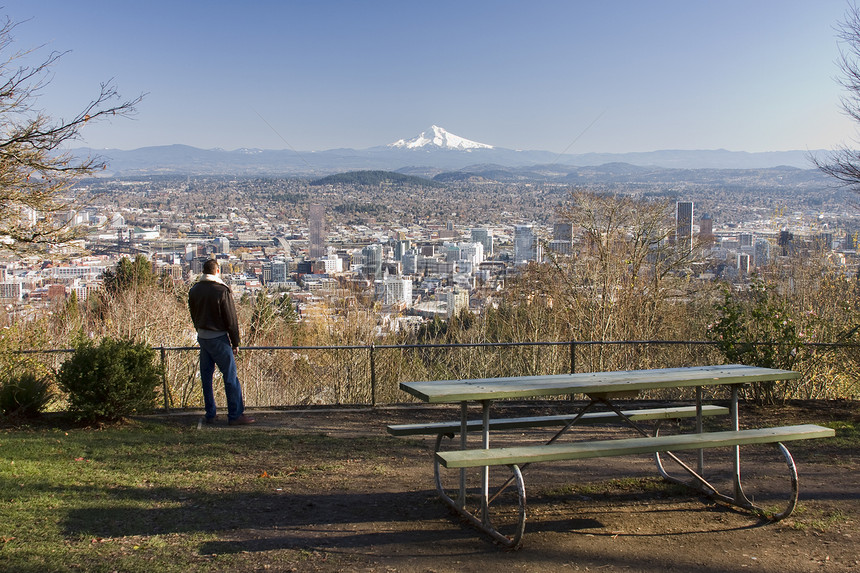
744,75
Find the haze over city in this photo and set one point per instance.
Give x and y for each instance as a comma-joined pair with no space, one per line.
569,77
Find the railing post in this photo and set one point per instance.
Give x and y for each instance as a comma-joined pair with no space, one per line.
572,356
164,378
372,376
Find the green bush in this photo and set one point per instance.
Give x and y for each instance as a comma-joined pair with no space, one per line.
756,328
110,381
25,394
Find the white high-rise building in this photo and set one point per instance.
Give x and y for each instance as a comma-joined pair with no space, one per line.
11,290
393,291
485,237
332,264
526,246
457,300
472,252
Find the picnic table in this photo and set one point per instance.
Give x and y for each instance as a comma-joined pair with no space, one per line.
603,390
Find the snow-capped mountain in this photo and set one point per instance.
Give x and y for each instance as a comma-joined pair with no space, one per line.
438,137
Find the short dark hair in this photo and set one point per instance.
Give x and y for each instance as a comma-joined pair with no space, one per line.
210,266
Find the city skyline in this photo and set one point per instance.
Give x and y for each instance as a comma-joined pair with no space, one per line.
558,76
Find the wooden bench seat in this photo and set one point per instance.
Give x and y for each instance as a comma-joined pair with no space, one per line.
452,428
603,448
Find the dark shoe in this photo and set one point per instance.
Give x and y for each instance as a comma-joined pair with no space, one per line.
242,420
209,420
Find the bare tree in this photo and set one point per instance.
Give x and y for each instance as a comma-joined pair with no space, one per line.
35,171
844,163
618,281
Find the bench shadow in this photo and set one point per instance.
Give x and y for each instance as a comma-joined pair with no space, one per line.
186,511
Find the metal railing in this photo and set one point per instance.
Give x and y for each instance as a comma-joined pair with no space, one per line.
278,376
370,374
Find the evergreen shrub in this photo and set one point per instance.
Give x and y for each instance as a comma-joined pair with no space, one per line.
109,381
25,394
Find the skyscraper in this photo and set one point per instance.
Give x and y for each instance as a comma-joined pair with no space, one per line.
706,229
684,225
744,263
410,262
562,238
222,245
526,247
279,271
371,261
562,232
485,237
316,231
401,246
394,291
762,252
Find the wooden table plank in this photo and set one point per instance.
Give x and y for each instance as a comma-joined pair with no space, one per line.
444,391
627,446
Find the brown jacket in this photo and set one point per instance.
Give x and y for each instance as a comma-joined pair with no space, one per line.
212,308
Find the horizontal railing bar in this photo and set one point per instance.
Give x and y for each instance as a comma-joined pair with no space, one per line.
481,345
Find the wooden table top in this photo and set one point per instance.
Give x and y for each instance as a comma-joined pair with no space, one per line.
445,391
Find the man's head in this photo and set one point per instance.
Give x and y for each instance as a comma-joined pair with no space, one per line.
211,267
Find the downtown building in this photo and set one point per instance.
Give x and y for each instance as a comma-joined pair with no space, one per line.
394,292
684,225
526,245
485,237
316,231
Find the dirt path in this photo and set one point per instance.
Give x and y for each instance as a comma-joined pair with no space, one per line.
598,515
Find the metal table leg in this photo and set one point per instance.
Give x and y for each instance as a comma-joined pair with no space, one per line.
485,473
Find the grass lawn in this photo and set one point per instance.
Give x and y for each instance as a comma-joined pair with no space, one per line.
123,498
332,492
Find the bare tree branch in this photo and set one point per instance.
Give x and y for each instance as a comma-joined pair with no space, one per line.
843,164
35,172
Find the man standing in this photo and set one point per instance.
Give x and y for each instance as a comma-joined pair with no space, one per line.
211,304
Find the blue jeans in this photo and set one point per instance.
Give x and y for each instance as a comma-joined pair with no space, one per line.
217,351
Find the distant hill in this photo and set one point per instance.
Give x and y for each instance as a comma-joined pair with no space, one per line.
374,178
429,159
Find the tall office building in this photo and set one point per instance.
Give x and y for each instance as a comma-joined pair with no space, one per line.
371,261
786,241
706,229
410,262
401,247
526,247
762,252
684,225
744,263
316,231
222,245
190,252
562,239
394,291
452,252
562,232
472,252
456,299
485,237
279,268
